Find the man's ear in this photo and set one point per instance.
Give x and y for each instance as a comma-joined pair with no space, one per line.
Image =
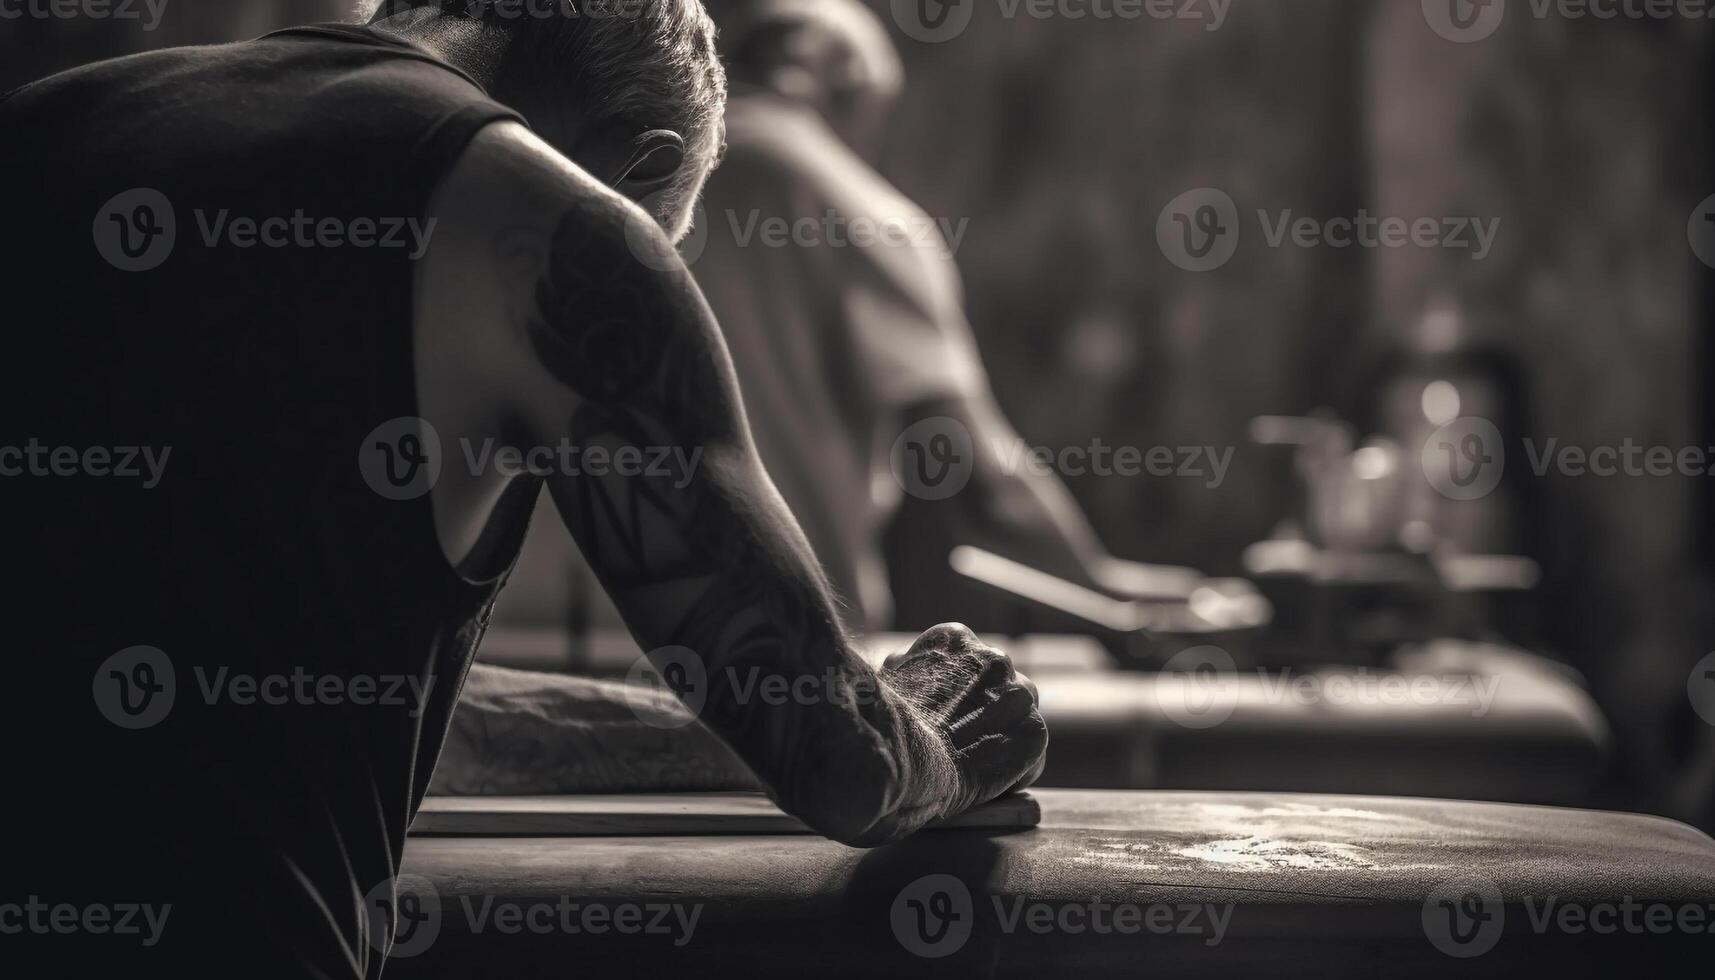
653,160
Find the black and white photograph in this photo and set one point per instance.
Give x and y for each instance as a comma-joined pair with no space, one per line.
769,489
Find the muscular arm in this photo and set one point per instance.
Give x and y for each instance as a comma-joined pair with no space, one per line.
524,732
616,355
1018,512
905,318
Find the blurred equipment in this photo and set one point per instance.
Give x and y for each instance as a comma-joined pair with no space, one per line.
1435,718
1414,533
1457,720
1191,611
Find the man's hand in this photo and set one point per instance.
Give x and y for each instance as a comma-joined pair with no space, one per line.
978,719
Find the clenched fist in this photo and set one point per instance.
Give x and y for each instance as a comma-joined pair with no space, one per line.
977,710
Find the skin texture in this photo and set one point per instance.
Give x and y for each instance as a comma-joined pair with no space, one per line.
551,309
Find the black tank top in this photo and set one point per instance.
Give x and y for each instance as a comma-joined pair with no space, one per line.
256,763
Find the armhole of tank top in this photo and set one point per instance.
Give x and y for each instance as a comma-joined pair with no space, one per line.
440,148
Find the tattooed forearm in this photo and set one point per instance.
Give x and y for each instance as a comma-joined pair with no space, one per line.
522,733
715,564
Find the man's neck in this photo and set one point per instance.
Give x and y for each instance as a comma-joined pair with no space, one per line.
486,52
474,49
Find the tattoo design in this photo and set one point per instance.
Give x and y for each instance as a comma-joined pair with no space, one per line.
710,565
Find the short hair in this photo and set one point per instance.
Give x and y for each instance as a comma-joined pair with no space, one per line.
646,64
841,42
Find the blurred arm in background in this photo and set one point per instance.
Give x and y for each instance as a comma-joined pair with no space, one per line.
847,326
1018,511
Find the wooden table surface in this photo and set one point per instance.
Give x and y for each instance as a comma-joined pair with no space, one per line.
1308,885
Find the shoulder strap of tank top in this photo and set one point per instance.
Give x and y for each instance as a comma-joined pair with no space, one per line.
379,38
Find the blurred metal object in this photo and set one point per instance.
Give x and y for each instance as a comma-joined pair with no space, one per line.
1141,581
1354,496
1217,612
1369,563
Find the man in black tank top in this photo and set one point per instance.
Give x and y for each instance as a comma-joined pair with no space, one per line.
287,316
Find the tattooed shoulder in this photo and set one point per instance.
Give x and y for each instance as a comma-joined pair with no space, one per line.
594,299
